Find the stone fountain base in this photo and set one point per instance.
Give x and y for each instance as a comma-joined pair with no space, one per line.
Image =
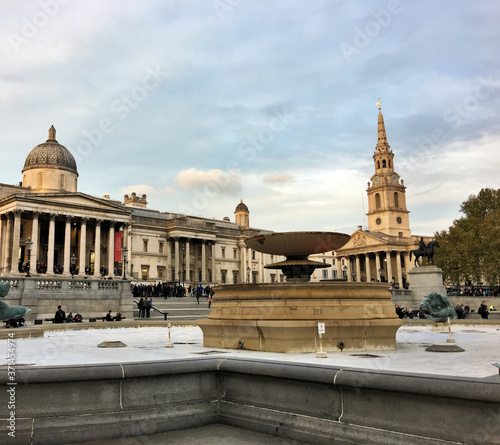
284,317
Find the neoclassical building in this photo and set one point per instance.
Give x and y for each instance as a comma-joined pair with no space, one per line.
58,230
380,253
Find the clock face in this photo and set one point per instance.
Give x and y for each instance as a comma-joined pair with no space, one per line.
376,180
378,221
394,178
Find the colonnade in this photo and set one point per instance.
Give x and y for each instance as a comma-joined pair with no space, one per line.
390,266
184,260
50,233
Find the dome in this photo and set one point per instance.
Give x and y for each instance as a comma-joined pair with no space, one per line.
51,154
241,207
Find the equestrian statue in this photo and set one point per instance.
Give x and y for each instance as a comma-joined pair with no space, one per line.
424,250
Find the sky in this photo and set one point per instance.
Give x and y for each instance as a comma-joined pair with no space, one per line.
199,104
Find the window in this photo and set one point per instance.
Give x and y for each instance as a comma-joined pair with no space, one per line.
378,164
160,246
40,180
333,262
144,245
235,277
223,252
253,254
62,182
223,274
199,275
145,272
334,273
396,199
235,253
254,277
325,273
383,163
377,200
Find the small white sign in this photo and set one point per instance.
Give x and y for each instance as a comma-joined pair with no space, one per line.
321,328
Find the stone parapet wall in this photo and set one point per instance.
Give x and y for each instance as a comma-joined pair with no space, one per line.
316,404
92,298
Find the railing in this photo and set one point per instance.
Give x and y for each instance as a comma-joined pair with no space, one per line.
14,284
80,284
49,284
155,309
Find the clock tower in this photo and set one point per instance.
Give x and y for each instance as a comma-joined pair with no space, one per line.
387,211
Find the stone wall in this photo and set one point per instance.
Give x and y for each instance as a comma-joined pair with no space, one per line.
316,404
92,298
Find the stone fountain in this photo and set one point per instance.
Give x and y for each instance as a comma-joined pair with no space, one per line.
284,317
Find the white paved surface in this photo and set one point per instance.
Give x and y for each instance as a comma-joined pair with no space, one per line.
481,344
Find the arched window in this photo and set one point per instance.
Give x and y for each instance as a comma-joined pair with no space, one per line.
383,163
378,164
40,180
62,182
389,163
396,199
377,201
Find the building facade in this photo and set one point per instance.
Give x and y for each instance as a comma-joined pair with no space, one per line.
46,224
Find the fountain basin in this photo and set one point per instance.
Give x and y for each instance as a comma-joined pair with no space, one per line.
284,317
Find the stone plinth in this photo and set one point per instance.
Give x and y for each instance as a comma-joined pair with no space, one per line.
424,280
284,317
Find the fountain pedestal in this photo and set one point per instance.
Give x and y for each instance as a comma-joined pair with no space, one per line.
283,317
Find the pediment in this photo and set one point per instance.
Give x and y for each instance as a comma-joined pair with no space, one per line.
72,202
362,240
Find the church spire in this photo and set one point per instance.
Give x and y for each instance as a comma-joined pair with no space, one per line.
382,144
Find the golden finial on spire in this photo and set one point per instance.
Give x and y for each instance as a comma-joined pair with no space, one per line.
378,103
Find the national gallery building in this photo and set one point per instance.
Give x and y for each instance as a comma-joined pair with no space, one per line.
48,224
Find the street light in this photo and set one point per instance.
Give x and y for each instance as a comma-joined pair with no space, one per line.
248,274
179,277
28,243
73,265
124,261
183,266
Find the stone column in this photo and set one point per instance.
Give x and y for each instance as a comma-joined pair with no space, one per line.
15,242
83,246
67,247
97,248
50,249
212,246
34,240
377,265
399,270
244,271
177,255
349,269
169,259
204,262
188,261
389,266
358,269
111,249
367,268
2,237
129,247
8,243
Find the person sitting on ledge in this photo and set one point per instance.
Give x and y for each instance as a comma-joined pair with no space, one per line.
78,318
70,318
119,316
109,317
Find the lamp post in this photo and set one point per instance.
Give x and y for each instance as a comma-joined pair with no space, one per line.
124,261
248,274
179,277
73,265
183,265
28,243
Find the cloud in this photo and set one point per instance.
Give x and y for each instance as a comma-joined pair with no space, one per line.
277,178
216,180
